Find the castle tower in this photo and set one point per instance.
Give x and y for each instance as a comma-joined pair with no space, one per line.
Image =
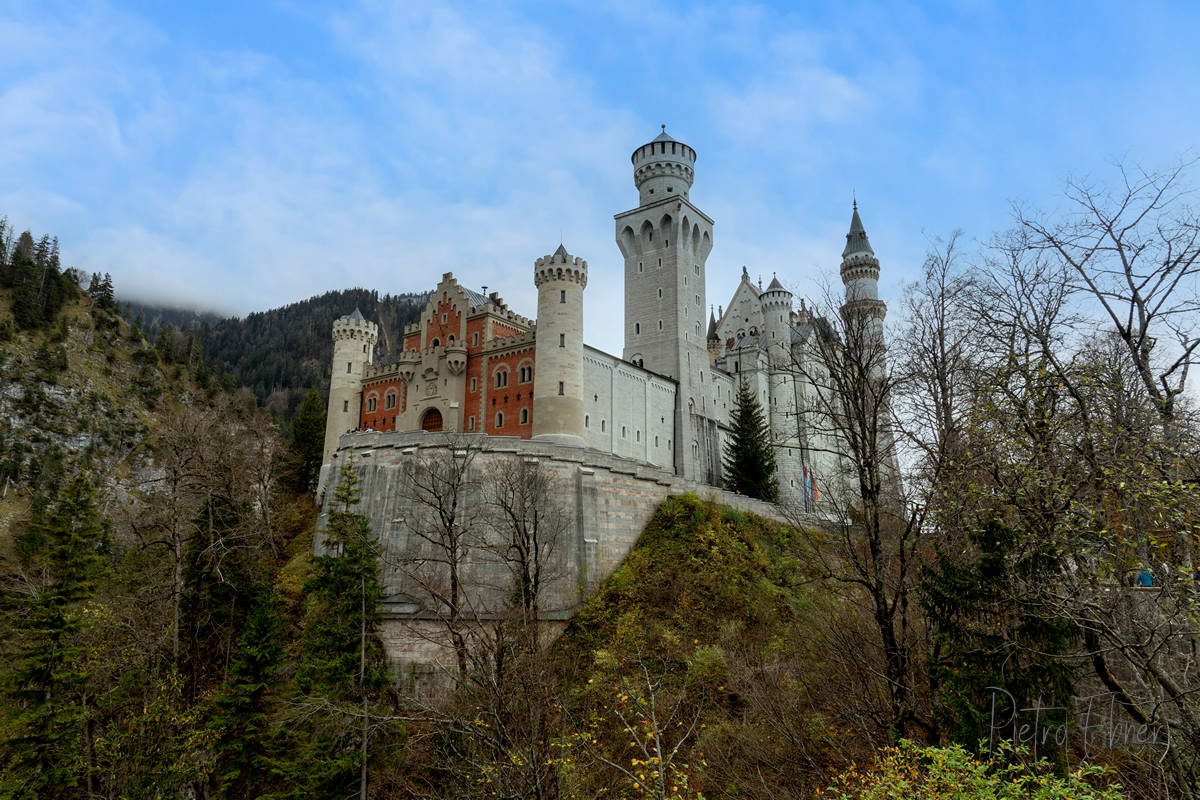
558,375
354,340
860,275
777,314
666,241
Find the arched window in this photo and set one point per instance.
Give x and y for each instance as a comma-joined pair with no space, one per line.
389,400
371,401
524,416
432,421
437,342
501,377
499,419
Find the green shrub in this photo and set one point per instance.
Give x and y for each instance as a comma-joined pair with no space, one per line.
914,772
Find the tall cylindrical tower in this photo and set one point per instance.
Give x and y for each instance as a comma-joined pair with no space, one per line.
354,340
558,371
777,313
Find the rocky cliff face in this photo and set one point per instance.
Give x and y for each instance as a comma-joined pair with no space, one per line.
86,391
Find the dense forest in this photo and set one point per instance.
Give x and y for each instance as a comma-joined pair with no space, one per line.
282,353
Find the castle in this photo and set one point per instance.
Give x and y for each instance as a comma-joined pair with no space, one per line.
473,365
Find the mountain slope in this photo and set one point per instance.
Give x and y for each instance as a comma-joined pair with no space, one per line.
282,353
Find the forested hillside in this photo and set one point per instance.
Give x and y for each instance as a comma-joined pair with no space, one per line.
282,353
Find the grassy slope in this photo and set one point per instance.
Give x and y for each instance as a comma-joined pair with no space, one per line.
717,611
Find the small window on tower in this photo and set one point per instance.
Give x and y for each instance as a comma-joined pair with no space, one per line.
470,423
562,295
586,420
364,348
560,388
602,426
349,367
474,384
475,339
524,416
637,327
639,266
345,405
499,419
562,340
660,294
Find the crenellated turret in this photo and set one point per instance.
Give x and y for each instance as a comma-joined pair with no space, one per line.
354,339
558,380
663,168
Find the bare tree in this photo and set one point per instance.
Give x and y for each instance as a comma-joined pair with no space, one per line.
848,394
1135,255
444,521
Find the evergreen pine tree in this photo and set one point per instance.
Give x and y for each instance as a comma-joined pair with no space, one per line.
985,634
343,668
246,741
749,460
307,441
46,678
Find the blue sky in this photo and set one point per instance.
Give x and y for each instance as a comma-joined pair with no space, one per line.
239,156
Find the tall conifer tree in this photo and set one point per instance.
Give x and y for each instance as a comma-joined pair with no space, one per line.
749,460
46,678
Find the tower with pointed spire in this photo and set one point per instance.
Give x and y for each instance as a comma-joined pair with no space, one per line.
860,276
665,242
558,380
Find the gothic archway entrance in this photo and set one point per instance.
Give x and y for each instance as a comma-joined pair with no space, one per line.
432,421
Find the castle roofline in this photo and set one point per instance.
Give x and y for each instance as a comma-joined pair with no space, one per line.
631,365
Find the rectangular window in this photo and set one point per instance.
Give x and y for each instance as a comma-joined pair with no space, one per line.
499,419
349,367
470,423
560,388
562,340
562,295
475,339
345,405
524,416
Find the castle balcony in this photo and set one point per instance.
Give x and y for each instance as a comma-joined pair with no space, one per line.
456,357
407,364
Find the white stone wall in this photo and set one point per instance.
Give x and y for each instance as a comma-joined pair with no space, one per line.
618,395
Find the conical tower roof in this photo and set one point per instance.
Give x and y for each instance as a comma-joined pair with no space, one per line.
856,239
357,316
775,286
561,252
712,325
